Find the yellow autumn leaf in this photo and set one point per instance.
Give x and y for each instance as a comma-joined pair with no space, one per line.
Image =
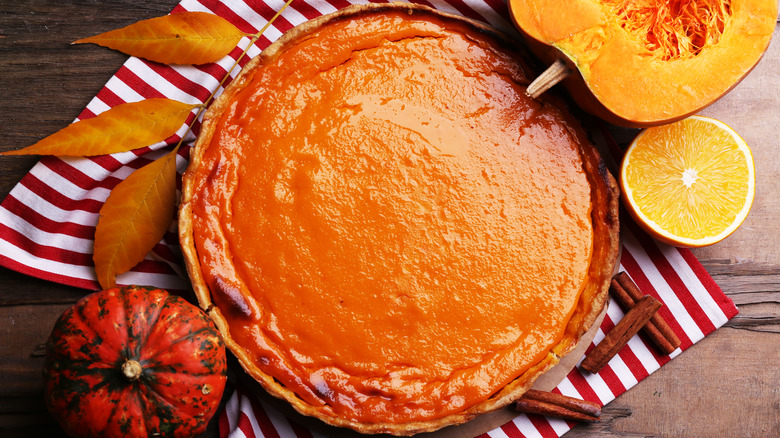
122,128
134,218
183,38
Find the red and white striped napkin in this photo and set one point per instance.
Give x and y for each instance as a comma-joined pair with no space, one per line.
48,220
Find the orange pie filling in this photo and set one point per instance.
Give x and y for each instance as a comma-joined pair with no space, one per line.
391,229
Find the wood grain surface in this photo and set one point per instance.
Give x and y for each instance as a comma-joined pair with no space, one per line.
726,385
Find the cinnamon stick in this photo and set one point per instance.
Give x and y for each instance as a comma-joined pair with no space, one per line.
626,303
558,405
626,293
618,337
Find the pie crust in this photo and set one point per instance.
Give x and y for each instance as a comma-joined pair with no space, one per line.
486,259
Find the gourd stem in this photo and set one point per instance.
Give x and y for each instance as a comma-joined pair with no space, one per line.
554,74
132,370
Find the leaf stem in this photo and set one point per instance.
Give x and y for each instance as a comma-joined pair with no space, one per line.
252,42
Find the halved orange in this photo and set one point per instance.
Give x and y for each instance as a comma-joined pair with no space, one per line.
690,183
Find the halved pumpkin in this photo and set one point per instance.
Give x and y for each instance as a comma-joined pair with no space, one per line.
648,62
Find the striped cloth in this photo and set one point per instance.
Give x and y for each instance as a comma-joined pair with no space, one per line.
48,220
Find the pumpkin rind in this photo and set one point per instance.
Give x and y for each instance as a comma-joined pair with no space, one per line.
180,351
618,78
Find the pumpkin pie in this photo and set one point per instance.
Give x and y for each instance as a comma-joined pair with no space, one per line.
388,232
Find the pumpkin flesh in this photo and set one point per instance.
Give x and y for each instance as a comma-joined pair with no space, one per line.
649,62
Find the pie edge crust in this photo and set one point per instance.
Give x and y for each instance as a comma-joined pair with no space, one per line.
592,299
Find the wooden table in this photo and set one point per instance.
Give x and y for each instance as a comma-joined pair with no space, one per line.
726,385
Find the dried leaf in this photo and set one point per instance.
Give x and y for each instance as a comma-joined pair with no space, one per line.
134,218
125,127
184,38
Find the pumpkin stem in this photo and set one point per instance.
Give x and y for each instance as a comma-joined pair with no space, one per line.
554,74
132,370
